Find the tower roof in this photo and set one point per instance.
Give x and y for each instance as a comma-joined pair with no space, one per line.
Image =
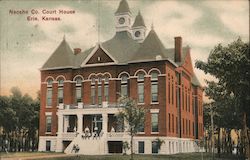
63,56
123,7
139,21
151,47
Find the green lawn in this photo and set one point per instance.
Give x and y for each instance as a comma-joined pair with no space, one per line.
25,154
184,156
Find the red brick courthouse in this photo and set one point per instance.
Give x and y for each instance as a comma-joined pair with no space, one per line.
79,92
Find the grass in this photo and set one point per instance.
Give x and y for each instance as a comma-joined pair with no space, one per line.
182,156
25,154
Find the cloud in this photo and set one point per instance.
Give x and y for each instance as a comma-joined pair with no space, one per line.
233,14
79,28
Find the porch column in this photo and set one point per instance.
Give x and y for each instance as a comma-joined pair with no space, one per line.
60,123
105,123
79,123
66,123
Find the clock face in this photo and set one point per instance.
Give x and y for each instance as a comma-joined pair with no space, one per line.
122,20
137,34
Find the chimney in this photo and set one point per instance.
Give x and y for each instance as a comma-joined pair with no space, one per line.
77,50
178,48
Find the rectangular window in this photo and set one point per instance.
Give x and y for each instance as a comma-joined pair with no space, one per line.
60,95
92,94
141,128
141,92
169,122
49,97
169,90
177,125
154,122
154,147
193,129
78,94
183,126
106,92
172,90
48,145
141,147
124,90
188,102
99,95
48,123
173,123
182,98
186,126
189,127
154,92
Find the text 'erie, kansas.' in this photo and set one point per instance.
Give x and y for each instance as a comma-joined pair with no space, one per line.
42,14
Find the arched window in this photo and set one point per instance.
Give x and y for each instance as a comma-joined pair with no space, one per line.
124,85
106,88
93,95
140,87
60,91
154,86
78,91
49,92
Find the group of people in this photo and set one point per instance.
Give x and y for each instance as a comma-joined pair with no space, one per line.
96,133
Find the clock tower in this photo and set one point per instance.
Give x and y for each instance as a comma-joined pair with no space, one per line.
139,28
123,17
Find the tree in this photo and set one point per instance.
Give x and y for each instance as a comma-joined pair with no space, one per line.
19,116
230,66
132,115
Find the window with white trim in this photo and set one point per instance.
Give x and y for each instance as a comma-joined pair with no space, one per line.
78,90
124,85
154,122
49,93
48,123
60,91
140,87
154,87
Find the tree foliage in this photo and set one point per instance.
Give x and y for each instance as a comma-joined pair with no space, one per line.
230,65
19,117
133,115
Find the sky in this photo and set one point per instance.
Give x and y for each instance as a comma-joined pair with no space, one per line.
26,45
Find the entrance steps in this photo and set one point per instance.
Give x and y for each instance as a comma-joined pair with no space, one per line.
86,145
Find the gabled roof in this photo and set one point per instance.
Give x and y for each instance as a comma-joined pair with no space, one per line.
150,48
139,21
123,7
63,56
